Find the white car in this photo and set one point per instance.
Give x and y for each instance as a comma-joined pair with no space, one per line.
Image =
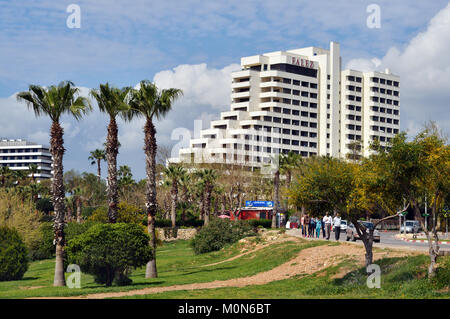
412,226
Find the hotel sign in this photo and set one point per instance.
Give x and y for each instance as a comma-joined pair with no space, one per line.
302,62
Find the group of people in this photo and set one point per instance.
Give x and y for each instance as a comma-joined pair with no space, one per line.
312,226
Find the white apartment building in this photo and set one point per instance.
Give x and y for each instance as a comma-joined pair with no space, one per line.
302,101
19,155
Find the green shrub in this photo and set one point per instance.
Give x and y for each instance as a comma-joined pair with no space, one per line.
44,205
266,223
162,223
108,251
13,255
126,213
74,229
219,233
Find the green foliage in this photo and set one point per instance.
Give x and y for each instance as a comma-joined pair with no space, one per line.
20,215
108,251
219,233
44,205
13,255
43,248
261,223
193,222
87,211
126,213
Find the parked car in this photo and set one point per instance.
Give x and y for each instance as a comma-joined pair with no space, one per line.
412,226
343,226
353,234
293,222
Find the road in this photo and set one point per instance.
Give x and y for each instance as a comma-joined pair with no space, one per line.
387,240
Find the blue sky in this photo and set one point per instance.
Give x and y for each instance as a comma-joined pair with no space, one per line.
194,45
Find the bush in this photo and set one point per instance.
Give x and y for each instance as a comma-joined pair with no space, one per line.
265,223
162,223
126,213
43,248
13,255
108,251
219,233
44,205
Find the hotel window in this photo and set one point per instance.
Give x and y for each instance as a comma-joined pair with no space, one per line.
286,91
389,82
276,109
286,111
286,131
296,82
395,131
286,142
396,103
295,122
287,121
375,108
295,92
313,105
267,118
382,81
304,93
395,112
374,80
313,115
295,102
286,101
305,84
305,104
313,125
350,78
382,91
287,81
395,121
295,132
294,142
358,108
313,95
277,119
304,143
313,85
374,99
305,114
312,144
358,79
382,110
358,127
295,112
304,133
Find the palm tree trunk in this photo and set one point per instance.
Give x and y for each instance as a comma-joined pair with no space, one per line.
112,150
276,191
207,208
79,210
99,169
173,210
58,194
150,152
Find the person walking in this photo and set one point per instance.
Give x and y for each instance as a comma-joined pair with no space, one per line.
337,226
302,222
306,226
323,227
327,221
318,227
312,227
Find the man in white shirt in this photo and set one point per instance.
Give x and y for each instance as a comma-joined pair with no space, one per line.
337,226
327,221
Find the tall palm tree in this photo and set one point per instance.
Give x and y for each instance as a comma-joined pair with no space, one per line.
78,196
33,170
96,157
150,102
112,101
55,101
19,177
208,178
174,174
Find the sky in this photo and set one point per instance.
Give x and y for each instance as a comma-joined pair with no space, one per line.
195,45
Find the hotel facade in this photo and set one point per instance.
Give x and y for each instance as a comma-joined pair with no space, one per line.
301,101
19,154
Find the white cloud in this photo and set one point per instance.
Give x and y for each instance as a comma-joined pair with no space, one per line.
424,69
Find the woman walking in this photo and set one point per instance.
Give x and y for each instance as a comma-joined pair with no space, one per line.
318,227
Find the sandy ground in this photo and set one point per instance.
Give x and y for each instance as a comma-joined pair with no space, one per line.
308,261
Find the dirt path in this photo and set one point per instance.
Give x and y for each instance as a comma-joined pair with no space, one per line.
308,261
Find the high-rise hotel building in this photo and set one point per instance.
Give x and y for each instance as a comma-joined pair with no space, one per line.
19,154
302,101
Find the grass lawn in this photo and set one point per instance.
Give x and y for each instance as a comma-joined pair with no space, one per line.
176,264
401,278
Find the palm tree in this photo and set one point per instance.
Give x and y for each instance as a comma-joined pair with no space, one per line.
78,197
19,176
33,170
97,157
55,101
208,178
112,101
174,173
69,200
150,102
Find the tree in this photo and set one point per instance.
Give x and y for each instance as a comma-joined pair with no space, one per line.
96,157
5,174
174,173
114,102
150,102
208,177
55,101
420,168
33,170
